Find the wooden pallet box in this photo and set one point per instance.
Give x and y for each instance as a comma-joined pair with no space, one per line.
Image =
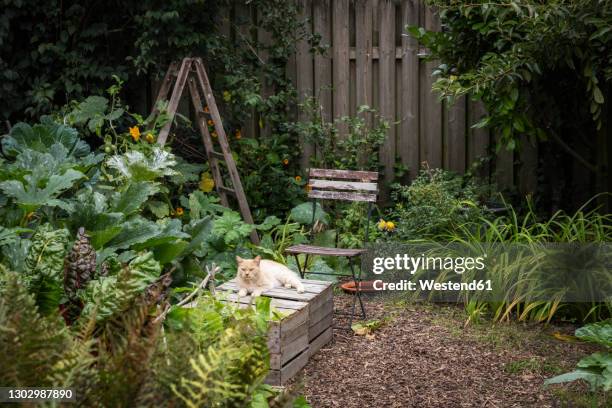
304,328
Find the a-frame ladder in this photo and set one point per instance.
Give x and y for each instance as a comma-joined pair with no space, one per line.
192,73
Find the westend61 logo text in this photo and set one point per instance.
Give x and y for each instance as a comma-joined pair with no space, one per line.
406,263
413,264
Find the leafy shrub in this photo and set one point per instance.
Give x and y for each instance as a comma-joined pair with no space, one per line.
596,369
436,201
519,272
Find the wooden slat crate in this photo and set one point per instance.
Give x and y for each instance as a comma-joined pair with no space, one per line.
303,330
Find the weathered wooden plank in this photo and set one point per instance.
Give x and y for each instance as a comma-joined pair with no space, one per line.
528,159
208,146
408,141
276,303
431,108
277,293
335,195
310,286
319,313
320,341
343,185
323,63
280,377
345,174
455,136
504,166
305,72
289,350
340,65
478,140
316,282
317,250
175,98
317,328
278,339
386,84
363,53
324,299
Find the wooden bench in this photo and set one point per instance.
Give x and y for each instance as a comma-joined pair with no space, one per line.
305,327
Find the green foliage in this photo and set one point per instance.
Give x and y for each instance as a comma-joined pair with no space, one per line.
600,333
518,244
303,213
540,68
596,369
357,149
435,202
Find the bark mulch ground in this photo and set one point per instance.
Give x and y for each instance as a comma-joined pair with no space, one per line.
423,356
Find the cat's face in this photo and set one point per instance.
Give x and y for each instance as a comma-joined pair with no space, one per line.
248,269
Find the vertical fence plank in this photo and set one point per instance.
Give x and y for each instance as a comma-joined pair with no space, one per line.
340,66
431,108
408,140
528,166
454,140
304,75
267,90
243,38
478,139
363,38
504,166
323,63
387,87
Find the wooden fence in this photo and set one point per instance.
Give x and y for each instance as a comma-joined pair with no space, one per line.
370,60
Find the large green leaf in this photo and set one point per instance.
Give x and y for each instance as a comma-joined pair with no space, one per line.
133,197
30,196
47,252
41,137
136,166
302,213
600,332
231,227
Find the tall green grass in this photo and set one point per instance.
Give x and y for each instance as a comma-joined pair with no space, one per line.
521,285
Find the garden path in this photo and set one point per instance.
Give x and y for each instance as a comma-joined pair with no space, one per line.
425,357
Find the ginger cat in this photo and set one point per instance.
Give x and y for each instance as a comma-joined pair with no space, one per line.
256,276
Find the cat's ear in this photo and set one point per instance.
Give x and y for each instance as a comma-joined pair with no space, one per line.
257,259
239,259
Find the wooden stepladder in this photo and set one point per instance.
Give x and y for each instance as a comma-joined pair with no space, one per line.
192,73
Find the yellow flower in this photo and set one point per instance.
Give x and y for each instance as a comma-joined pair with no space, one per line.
214,134
135,133
286,162
206,183
179,211
150,138
382,224
308,188
210,122
206,110
298,178
238,134
453,78
390,226
227,96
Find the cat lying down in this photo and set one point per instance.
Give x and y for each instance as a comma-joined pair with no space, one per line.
258,275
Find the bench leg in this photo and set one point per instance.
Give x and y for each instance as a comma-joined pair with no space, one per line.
357,296
301,270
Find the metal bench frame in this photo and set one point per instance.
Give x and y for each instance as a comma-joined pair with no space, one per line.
343,185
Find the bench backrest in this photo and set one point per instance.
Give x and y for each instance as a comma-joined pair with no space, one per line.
347,185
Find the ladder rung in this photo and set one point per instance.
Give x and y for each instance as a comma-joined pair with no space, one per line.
227,190
217,155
